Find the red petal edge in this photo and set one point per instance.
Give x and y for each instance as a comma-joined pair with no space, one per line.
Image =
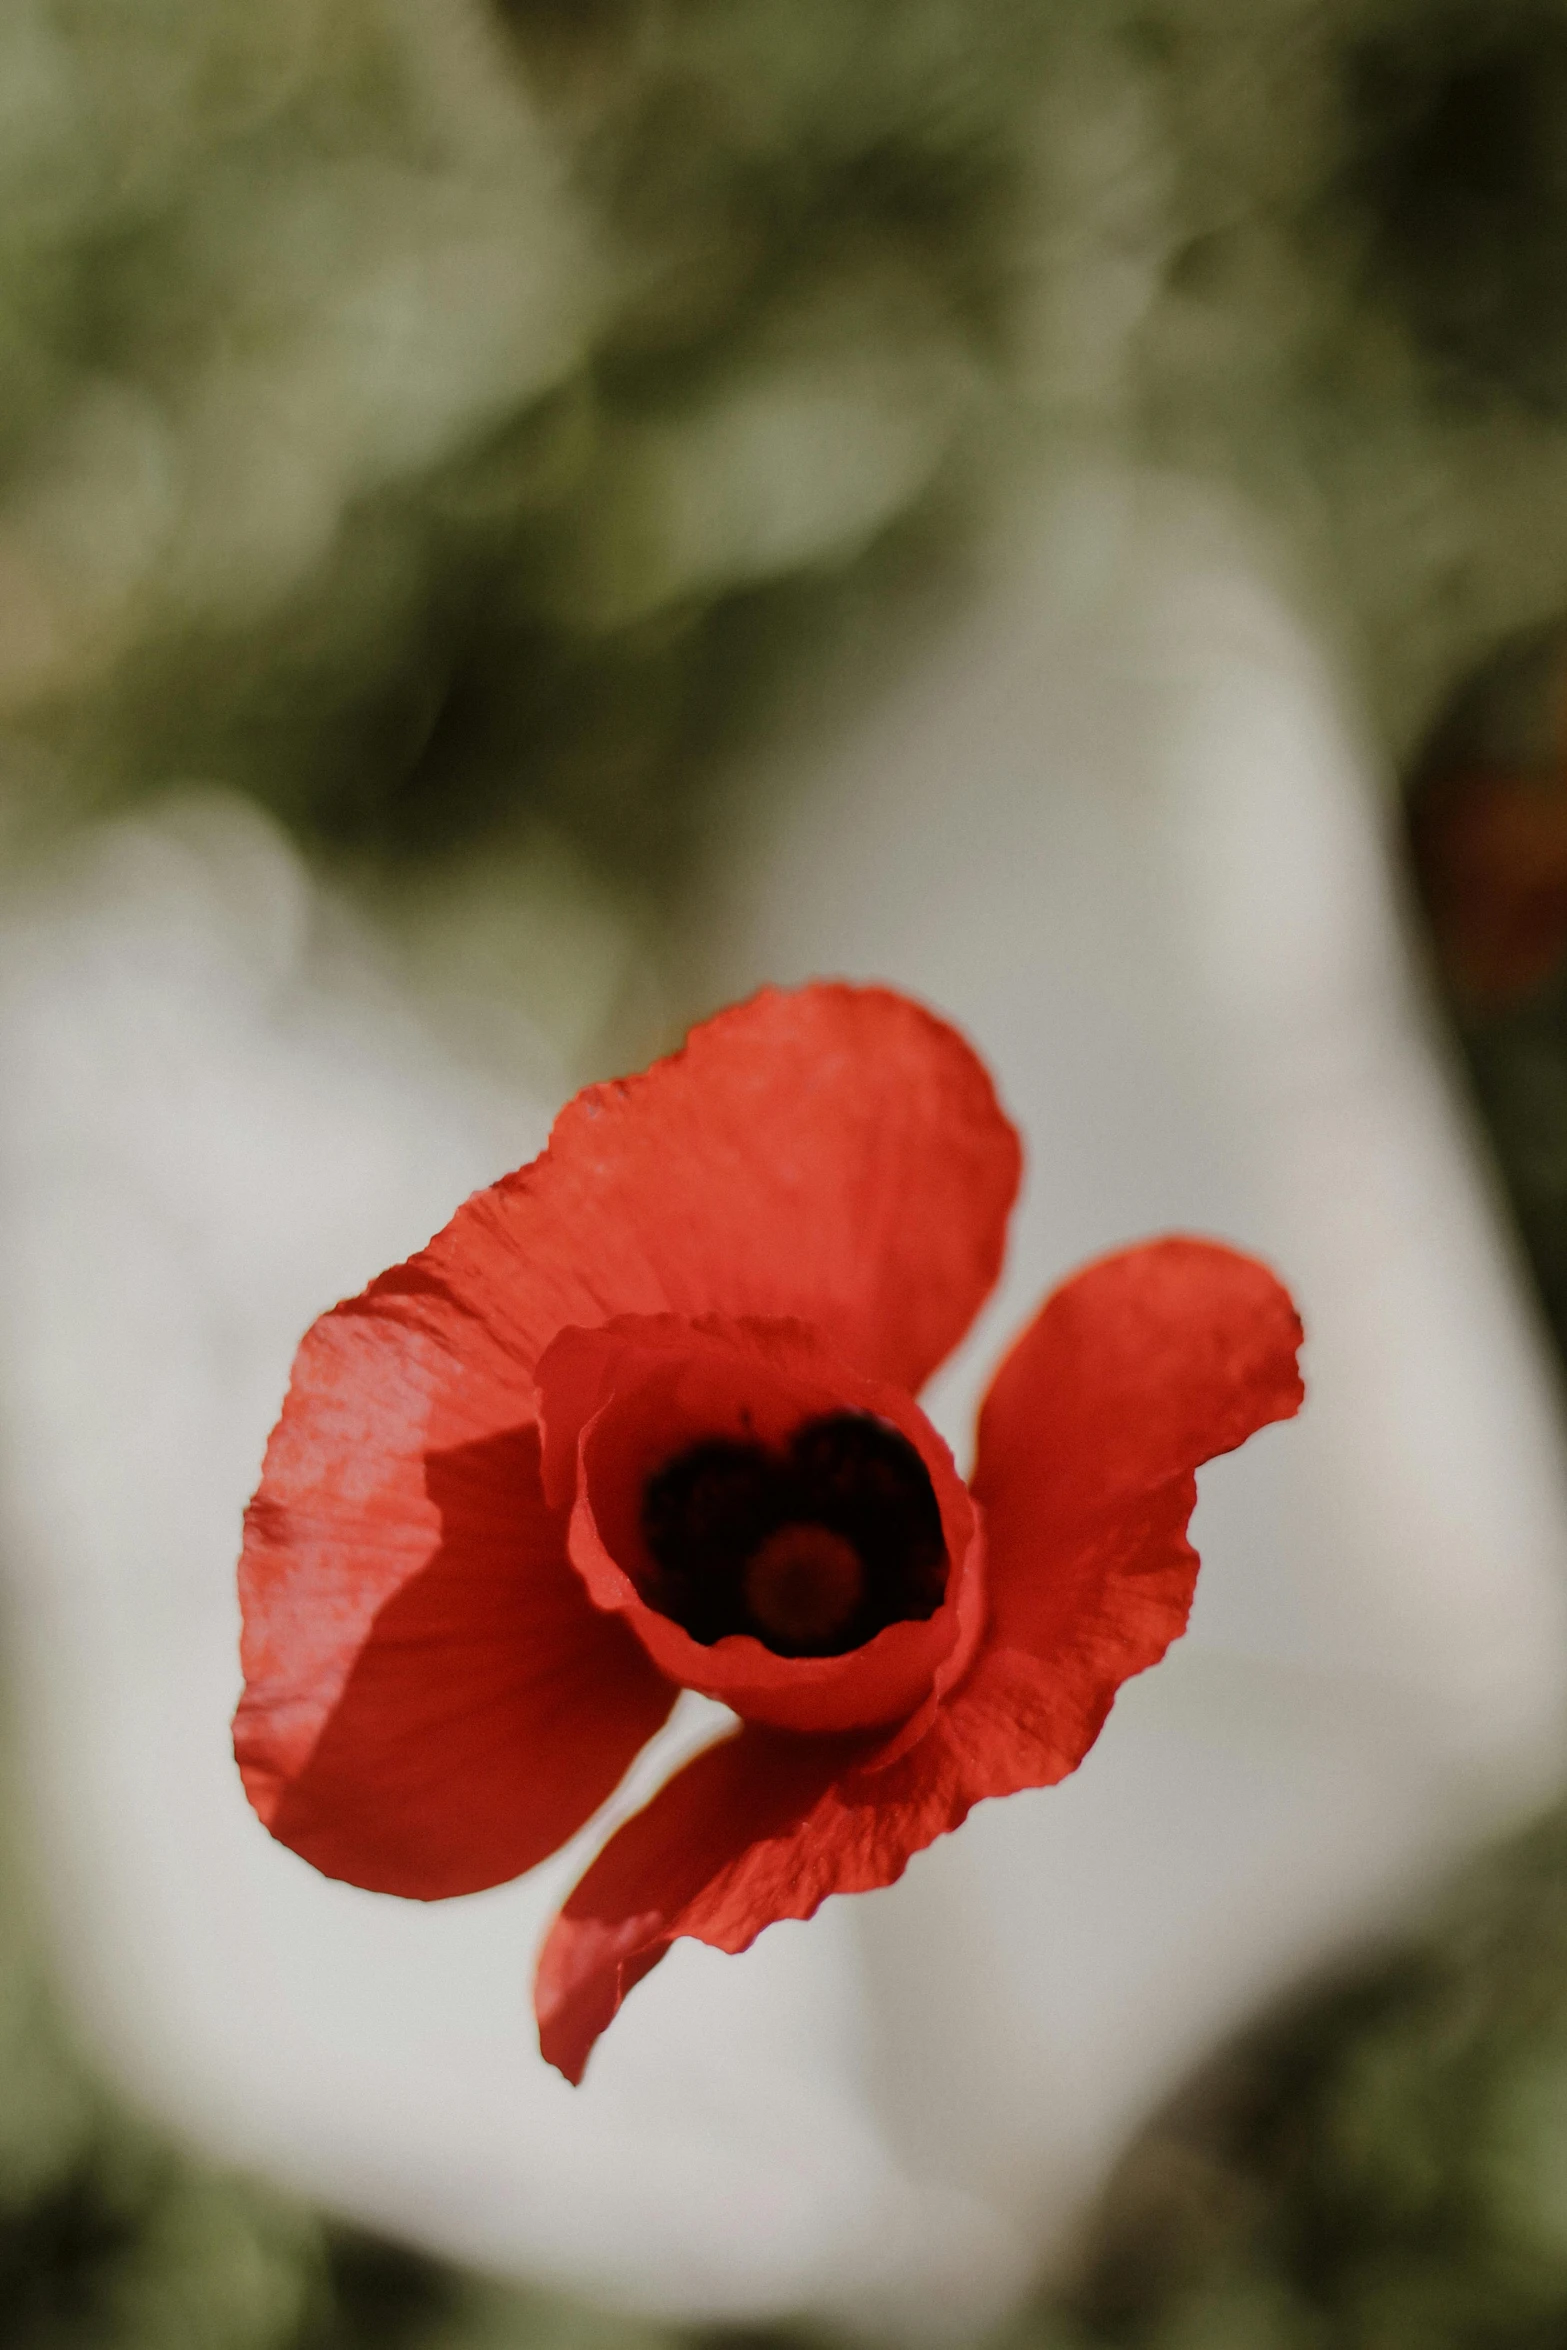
718,1853
1134,1373
431,1705
832,1155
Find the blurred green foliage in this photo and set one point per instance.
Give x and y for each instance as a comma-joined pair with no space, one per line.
1381,2167
436,417
406,408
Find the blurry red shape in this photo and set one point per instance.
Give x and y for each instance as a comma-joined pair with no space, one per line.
1491,856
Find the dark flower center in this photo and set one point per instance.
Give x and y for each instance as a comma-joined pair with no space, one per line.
813,1550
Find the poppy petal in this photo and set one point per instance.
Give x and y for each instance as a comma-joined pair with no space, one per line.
833,1155
1134,1373
764,1826
715,1854
432,1704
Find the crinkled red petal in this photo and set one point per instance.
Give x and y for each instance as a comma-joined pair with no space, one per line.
431,1704
764,1826
622,1401
833,1155
718,1853
1135,1372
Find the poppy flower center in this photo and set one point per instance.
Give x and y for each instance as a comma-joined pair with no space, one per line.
804,1583
812,1550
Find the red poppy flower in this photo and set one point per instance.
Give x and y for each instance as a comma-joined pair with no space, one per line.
642,1418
